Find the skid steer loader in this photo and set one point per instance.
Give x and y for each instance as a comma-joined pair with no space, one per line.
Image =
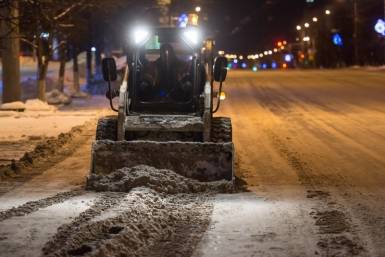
170,90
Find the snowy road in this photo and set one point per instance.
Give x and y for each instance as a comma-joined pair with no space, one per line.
310,145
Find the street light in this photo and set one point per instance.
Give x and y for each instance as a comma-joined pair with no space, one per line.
315,19
299,27
307,25
328,12
198,9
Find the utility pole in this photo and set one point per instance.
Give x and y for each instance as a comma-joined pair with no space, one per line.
355,33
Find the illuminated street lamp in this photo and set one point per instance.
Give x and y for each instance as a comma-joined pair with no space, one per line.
380,27
306,39
288,57
328,12
315,19
198,9
299,27
307,25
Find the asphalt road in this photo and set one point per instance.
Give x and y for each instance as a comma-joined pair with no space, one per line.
311,147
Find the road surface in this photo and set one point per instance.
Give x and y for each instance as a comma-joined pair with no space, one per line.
310,146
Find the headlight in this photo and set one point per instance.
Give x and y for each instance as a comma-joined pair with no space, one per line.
222,96
192,36
140,35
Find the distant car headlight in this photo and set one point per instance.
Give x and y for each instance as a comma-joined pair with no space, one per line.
140,35
192,36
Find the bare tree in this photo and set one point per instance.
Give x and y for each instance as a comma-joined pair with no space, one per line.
47,18
10,49
41,21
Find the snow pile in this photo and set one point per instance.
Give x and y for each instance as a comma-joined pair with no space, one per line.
376,68
56,97
80,94
12,106
29,105
38,105
160,180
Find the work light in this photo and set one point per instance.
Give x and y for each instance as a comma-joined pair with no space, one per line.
191,36
140,35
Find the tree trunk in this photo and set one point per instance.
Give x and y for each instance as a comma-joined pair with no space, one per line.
42,67
90,72
76,70
42,74
10,54
62,67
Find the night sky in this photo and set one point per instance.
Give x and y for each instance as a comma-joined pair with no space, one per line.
247,25
242,26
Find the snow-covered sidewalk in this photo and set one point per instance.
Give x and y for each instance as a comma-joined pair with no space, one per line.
21,131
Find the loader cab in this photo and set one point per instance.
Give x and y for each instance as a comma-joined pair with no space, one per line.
166,73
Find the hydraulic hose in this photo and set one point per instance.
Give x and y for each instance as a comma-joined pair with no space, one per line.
110,97
218,98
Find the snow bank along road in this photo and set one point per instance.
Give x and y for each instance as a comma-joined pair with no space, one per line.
310,145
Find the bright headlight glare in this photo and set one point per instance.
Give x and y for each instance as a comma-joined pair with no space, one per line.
192,36
140,36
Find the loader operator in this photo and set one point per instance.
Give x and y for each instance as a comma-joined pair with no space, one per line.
167,77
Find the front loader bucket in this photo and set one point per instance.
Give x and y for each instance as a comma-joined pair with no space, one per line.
201,161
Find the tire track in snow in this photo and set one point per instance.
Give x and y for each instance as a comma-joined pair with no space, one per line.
140,223
34,206
337,236
104,202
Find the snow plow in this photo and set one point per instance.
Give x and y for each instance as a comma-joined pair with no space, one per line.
165,106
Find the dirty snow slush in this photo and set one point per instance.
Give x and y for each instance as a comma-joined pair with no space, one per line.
153,213
144,223
160,180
